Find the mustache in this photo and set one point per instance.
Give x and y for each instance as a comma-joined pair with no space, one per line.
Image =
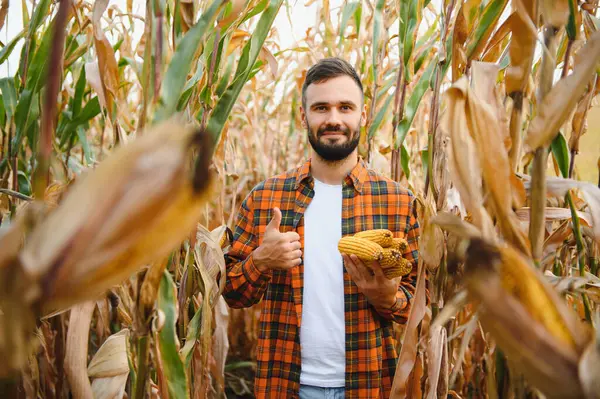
332,128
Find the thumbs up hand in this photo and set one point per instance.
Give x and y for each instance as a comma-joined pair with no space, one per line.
278,250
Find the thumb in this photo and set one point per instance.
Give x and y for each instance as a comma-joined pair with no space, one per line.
276,221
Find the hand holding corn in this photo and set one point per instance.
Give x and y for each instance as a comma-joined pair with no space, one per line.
378,245
278,250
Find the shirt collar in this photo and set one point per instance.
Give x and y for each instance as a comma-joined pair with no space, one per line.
356,177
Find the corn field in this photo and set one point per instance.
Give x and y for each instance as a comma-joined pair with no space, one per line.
129,142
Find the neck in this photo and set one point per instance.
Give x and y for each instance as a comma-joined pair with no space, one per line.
332,172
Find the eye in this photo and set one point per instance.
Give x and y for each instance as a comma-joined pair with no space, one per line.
346,107
320,108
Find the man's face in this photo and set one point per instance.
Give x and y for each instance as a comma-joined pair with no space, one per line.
333,117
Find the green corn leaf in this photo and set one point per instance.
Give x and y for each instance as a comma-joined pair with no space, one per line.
404,160
193,332
256,10
378,24
485,27
21,118
247,60
90,111
87,151
357,16
77,99
39,15
181,63
380,115
2,112
9,96
560,151
173,367
572,23
413,102
412,23
349,10
425,161
38,67
222,85
10,46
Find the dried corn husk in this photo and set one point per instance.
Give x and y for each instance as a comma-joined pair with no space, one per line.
133,209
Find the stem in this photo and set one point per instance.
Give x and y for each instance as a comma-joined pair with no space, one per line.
142,363
158,16
41,176
540,161
27,48
516,119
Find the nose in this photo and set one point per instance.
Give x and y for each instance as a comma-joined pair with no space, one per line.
334,118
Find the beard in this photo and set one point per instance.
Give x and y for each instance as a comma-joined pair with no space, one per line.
333,152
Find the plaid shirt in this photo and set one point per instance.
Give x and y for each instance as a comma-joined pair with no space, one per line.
370,201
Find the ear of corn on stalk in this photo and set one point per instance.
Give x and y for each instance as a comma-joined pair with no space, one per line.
380,245
130,211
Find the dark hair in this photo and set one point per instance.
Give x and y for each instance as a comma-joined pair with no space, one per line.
326,69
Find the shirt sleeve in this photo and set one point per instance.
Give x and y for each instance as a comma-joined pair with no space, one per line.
401,309
245,284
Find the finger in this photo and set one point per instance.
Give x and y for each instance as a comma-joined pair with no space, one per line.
294,254
351,269
377,269
275,221
295,245
291,236
292,263
361,267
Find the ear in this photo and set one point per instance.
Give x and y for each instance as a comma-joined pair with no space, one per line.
303,117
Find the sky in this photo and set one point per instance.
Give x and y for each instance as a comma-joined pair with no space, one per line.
302,18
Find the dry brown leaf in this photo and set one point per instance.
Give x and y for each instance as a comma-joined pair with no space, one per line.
111,358
557,186
459,37
220,346
589,364
119,217
522,45
266,56
3,12
110,387
557,106
546,363
464,164
107,63
435,353
431,247
408,352
77,350
500,34
92,75
555,13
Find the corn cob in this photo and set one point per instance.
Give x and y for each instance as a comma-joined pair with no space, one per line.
390,258
383,237
520,280
400,244
366,250
402,268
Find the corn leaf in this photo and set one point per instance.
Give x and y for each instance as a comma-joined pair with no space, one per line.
191,339
379,117
181,63
413,103
561,154
572,23
405,159
175,376
248,58
8,49
348,11
558,104
485,27
377,25
9,96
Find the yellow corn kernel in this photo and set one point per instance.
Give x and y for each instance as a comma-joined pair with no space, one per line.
383,237
366,250
390,258
402,268
400,244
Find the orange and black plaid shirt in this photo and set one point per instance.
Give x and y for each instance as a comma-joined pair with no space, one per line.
370,201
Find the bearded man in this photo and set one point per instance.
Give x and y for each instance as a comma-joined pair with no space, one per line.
326,323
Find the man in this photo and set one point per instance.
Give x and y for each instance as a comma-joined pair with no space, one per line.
326,319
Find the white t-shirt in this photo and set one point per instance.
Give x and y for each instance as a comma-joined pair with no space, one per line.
322,333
